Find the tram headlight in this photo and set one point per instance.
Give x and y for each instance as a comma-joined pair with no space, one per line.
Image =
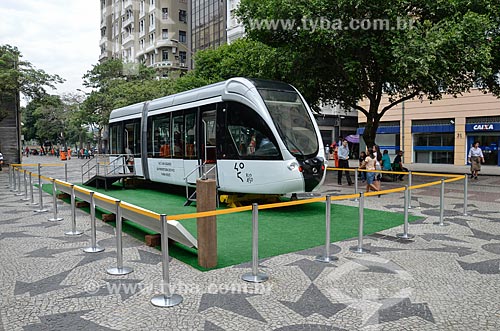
292,166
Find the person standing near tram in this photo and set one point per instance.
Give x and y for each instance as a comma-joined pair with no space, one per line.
344,162
475,158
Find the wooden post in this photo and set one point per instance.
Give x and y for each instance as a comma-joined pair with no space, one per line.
206,198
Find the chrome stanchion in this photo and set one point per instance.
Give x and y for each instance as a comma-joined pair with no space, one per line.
119,269
166,299
405,235
55,218
14,169
356,183
32,198
40,191
409,191
441,207
19,183
94,248
255,276
25,187
73,231
327,258
66,172
465,195
11,188
359,248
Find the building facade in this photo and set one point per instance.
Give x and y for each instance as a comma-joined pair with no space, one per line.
153,32
208,24
235,29
443,131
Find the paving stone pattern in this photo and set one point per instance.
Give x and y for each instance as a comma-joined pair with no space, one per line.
447,278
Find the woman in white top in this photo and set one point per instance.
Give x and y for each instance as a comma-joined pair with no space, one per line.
475,158
370,161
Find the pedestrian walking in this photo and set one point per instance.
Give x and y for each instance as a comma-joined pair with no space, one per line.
475,158
344,162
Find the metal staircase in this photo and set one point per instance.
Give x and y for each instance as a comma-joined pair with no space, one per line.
105,169
206,171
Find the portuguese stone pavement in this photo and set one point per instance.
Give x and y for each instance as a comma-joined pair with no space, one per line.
447,278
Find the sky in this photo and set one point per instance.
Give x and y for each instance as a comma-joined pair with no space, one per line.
59,36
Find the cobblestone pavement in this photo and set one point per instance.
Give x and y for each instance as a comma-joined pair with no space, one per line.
447,278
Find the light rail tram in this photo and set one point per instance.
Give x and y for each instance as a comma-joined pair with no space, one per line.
260,135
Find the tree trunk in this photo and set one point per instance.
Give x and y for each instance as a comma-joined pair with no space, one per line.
372,124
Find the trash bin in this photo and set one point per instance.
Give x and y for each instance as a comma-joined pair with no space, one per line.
63,156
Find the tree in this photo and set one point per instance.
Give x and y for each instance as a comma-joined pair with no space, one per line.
428,49
117,84
242,58
20,76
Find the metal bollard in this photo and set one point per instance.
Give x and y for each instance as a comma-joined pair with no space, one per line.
94,248
465,195
11,188
441,207
327,258
14,190
255,276
25,187
55,218
120,269
32,199
405,235
409,192
359,249
19,183
40,199
73,231
66,172
166,299
356,183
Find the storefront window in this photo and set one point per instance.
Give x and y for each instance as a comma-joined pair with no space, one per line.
434,148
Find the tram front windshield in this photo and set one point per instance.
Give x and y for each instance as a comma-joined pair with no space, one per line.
292,121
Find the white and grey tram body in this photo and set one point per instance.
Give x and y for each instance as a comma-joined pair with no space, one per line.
260,134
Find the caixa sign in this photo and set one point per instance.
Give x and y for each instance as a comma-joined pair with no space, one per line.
483,127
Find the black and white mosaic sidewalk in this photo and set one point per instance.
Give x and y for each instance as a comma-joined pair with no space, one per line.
448,278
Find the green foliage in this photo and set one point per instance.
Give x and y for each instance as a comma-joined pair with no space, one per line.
445,50
117,84
20,76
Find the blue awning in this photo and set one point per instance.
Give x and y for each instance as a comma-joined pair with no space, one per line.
381,130
432,128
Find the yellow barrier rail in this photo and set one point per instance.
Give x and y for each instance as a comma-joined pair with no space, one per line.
156,216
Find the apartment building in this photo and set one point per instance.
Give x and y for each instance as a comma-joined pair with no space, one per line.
235,29
153,32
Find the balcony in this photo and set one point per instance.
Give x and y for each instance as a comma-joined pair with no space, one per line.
163,64
127,38
127,3
165,43
103,40
128,21
103,56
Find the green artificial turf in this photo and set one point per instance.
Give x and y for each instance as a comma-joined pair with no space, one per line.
281,230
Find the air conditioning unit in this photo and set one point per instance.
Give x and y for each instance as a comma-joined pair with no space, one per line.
174,50
183,64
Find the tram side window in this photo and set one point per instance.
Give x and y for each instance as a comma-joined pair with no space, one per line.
178,135
116,138
190,138
132,133
161,136
249,134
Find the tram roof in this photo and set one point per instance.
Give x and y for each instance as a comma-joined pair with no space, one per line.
202,93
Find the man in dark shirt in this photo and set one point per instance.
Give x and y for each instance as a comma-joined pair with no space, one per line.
397,164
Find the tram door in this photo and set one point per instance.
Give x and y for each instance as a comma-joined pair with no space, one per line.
208,133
